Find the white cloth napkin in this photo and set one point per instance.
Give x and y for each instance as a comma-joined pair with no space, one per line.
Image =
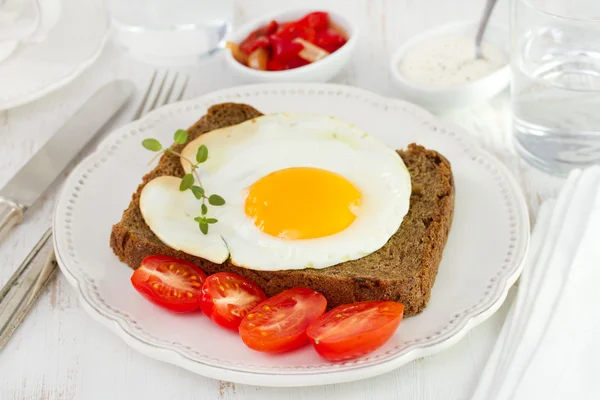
549,346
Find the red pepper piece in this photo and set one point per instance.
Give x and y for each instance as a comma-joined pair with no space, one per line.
296,62
292,31
330,40
272,28
276,65
318,20
251,44
284,50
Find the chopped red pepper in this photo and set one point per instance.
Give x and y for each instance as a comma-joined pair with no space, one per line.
292,31
283,49
249,46
317,20
276,65
272,27
330,40
297,62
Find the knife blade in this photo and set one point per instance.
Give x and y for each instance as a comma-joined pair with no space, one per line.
34,178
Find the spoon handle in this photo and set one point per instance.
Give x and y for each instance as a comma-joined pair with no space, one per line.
489,7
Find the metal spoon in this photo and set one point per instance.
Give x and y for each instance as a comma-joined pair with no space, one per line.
489,6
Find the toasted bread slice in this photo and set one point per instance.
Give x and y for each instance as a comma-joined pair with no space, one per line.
403,270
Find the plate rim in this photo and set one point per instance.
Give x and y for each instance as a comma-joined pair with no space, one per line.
308,376
37,94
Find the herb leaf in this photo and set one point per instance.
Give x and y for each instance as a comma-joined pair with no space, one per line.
204,209
202,154
180,136
203,227
200,219
186,182
216,200
211,220
152,144
198,192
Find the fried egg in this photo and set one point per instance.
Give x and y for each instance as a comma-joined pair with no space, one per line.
301,191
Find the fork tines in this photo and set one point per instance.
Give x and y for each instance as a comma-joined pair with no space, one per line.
168,96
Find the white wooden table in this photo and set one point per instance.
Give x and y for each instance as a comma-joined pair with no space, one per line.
61,353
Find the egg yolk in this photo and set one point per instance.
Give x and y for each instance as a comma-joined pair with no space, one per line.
302,203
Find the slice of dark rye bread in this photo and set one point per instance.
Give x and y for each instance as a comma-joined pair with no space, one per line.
403,270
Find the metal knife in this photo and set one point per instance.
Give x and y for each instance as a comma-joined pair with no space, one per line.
22,191
26,284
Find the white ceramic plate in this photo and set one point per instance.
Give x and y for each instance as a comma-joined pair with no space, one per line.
482,258
73,44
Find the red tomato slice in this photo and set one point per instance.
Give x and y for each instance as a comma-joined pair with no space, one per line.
169,282
353,330
279,324
227,298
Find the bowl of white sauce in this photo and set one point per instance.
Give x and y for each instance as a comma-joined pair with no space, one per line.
438,69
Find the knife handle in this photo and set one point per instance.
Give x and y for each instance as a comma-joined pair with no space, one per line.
11,214
22,289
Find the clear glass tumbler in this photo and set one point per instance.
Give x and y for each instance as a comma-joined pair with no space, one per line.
555,58
170,32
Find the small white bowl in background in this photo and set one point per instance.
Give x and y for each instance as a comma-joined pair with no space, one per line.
438,99
319,71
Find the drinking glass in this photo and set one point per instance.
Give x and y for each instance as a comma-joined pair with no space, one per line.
170,32
555,60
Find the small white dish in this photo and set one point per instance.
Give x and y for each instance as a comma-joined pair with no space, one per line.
440,98
319,71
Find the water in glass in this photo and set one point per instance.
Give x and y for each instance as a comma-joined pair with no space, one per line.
556,91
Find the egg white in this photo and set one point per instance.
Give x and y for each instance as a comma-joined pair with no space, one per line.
242,154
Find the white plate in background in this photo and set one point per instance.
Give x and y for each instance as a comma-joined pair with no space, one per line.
72,44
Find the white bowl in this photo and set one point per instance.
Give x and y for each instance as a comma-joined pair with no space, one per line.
477,91
319,71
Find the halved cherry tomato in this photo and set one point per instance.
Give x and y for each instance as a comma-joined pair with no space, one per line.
170,283
227,298
279,324
352,330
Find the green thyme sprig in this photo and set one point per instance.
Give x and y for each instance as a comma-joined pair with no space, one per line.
188,181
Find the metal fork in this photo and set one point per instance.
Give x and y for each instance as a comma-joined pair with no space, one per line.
28,281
